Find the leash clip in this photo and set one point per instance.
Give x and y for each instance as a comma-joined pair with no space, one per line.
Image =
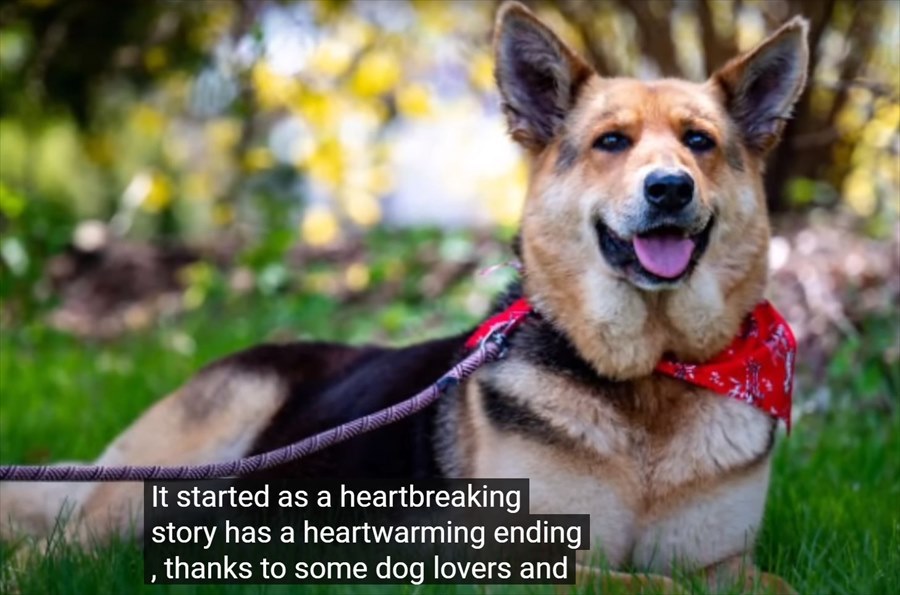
499,326
500,337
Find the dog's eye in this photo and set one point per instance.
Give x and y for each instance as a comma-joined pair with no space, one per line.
612,142
697,141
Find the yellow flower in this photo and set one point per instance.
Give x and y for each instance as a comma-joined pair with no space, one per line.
859,192
317,108
326,163
215,24
414,101
889,113
356,277
258,159
159,195
331,58
319,227
147,120
506,194
362,208
482,72
377,73
273,90
223,133
435,17
380,180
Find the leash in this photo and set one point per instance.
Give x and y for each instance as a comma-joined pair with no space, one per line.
488,346
756,368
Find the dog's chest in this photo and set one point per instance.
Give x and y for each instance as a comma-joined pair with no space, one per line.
673,472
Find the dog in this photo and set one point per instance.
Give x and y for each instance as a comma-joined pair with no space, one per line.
644,236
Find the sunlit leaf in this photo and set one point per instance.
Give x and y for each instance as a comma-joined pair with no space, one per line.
223,214
319,227
11,203
198,186
156,59
100,149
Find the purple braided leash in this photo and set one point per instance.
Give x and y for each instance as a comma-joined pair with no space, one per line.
490,349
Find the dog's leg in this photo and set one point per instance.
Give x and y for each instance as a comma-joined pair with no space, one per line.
216,417
740,570
596,580
34,507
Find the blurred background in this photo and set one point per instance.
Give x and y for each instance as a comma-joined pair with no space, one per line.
181,179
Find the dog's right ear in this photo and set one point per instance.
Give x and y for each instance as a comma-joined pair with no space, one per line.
762,85
537,73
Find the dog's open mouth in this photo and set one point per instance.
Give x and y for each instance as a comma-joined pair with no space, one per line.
660,255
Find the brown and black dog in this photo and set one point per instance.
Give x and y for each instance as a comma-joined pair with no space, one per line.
644,233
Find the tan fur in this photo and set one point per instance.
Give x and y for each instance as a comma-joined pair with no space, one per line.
621,582
214,418
647,476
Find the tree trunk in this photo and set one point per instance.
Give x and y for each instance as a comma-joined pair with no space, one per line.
790,158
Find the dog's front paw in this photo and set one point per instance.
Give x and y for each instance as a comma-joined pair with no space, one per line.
739,572
763,582
594,580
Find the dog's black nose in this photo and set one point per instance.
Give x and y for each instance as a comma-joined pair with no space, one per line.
669,191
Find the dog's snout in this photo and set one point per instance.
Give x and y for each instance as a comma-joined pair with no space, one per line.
669,191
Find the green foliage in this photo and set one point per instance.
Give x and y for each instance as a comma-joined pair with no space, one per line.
30,232
863,371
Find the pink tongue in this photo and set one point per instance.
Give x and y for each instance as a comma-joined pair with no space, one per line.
665,256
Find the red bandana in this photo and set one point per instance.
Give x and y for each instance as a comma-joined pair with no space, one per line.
757,368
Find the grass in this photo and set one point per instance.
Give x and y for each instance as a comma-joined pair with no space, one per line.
832,523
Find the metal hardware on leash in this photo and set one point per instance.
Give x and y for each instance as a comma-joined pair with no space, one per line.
492,347
499,337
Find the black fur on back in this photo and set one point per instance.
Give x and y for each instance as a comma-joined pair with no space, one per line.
331,384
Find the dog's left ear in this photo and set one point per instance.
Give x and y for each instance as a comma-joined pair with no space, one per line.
762,85
538,76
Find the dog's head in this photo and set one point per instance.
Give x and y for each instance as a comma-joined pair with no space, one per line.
645,220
